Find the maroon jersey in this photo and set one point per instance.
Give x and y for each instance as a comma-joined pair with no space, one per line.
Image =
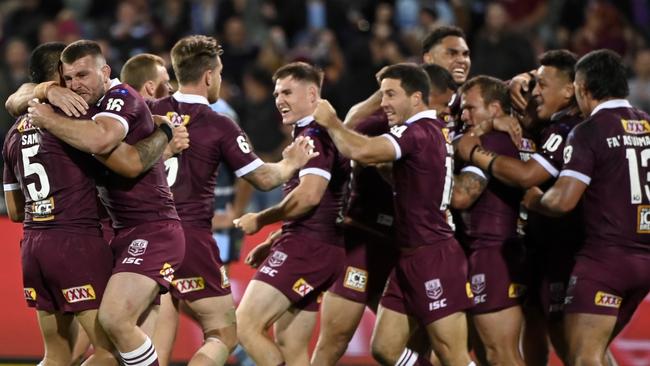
321,222
56,180
423,180
192,175
493,217
131,202
609,152
371,197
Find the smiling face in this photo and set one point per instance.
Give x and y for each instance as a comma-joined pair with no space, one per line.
553,91
295,99
397,105
451,53
87,76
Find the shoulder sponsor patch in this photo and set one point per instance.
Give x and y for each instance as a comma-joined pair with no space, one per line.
607,300
636,127
80,293
356,279
302,288
190,284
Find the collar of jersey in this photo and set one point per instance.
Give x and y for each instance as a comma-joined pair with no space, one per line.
611,104
429,113
114,82
304,121
190,98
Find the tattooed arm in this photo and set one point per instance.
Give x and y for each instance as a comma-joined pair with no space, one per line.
468,186
132,160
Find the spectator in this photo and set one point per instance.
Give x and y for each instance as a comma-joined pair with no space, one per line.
640,83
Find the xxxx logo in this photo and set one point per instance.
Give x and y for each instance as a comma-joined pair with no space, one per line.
81,293
184,285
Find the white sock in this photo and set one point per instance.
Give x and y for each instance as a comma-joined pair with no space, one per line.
408,358
144,355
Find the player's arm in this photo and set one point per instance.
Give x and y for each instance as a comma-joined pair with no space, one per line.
68,101
366,150
97,136
559,200
362,110
271,175
468,187
305,197
15,202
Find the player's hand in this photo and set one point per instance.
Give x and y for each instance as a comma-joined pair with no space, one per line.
325,115
511,126
258,254
159,120
40,114
518,87
465,145
532,197
247,223
299,152
71,103
180,141
223,219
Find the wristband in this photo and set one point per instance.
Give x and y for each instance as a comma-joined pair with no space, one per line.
167,130
489,167
471,153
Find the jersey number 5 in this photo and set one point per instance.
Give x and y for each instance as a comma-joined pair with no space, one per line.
38,169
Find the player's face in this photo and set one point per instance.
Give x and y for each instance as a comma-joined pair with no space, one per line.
215,87
553,91
163,87
396,104
295,99
581,94
87,77
440,101
451,53
474,109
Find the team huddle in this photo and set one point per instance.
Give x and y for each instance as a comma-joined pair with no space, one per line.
480,219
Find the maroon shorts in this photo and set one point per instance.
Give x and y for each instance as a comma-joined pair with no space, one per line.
556,271
154,250
64,272
429,283
202,274
368,262
608,281
301,268
496,276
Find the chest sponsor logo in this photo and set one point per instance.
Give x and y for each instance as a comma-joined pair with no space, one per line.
138,247
30,293
643,219
185,285
516,290
167,272
433,288
178,119
277,258
302,288
25,125
356,279
225,280
77,294
478,283
42,210
636,127
607,300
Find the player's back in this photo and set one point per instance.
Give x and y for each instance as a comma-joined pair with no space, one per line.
146,198
56,180
610,151
214,138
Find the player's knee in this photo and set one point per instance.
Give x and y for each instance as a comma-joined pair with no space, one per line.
383,353
112,323
227,336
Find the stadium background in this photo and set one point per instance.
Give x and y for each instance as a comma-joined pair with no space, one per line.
350,40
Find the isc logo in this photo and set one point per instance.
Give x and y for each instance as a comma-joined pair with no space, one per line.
269,271
131,260
439,304
479,299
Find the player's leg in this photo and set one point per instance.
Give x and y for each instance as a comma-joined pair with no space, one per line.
164,332
103,349
80,341
392,331
55,329
339,320
293,333
261,305
499,332
588,336
449,339
216,315
534,339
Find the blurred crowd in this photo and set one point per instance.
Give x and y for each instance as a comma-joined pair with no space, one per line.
349,39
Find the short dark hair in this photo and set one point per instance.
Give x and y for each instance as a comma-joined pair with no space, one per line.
80,49
412,79
441,79
44,61
563,60
300,71
194,55
605,75
140,68
492,89
438,34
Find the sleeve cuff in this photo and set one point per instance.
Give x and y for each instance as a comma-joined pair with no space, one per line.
316,171
475,170
11,187
398,150
577,175
119,118
249,167
546,165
